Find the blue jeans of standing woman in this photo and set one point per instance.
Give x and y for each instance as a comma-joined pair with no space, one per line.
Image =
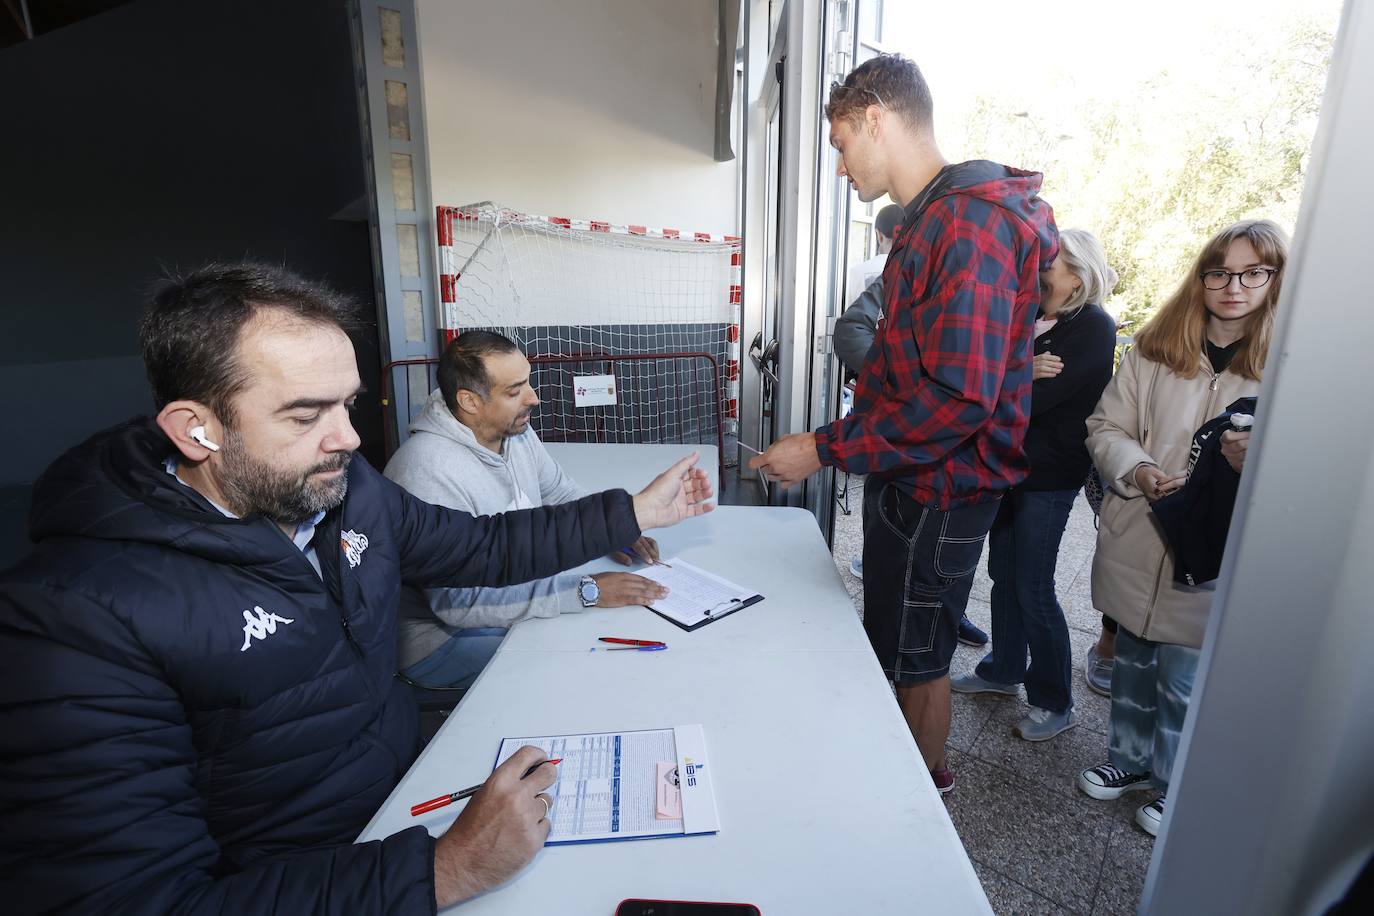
1023,547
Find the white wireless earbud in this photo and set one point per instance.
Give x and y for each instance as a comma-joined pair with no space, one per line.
198,434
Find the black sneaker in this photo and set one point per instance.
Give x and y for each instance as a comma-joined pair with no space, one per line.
970,635
1107,782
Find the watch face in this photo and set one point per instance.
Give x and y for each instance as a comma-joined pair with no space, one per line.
590,593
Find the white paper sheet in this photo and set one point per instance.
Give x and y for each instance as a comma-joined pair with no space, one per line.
594,391
694,594
607,783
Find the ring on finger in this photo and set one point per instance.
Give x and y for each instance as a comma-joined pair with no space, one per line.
545,799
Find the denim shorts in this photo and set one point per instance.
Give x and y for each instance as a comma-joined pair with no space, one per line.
919,564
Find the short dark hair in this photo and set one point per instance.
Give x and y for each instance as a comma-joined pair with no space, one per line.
462,364
191,325
889,80
888,219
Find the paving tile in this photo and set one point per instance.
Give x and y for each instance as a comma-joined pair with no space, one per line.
1054,765
967,721
1128,859
1118,893
1008,898
1131,846
1045,841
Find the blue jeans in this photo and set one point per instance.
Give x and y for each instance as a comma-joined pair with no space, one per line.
1023,547
1152,683
457,662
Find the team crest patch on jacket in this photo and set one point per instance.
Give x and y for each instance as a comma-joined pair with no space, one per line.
353,545
259,624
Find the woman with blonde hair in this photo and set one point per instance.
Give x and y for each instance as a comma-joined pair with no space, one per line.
1074,343
1204,349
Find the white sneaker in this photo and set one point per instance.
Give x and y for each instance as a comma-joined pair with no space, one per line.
1150,816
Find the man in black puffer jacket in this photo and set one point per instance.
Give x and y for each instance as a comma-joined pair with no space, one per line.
198,702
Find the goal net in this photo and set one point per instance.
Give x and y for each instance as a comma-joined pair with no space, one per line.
657,309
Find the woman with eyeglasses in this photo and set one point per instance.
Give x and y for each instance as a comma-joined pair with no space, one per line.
1205,348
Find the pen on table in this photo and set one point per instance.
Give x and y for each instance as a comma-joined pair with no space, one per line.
653,648
443,800
631,642
629,552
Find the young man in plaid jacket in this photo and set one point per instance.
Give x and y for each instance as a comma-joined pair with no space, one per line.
943,399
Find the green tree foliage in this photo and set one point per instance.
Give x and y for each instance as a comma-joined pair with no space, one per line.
1155,173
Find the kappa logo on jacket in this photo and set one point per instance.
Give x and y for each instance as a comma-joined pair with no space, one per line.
261,626
353,545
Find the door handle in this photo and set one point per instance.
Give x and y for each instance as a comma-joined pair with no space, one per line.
765,359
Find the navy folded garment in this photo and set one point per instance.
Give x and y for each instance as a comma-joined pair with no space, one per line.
1197,518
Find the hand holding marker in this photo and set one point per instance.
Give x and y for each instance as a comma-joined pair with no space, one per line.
445,800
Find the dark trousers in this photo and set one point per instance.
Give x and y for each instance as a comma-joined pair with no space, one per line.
1023,547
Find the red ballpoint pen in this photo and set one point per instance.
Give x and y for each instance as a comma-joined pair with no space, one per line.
631,642
444,800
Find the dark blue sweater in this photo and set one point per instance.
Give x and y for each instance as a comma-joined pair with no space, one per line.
192,721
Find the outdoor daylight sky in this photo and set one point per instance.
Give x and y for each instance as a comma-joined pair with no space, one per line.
1069,49
1154,125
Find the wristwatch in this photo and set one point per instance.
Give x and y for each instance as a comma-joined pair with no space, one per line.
588,591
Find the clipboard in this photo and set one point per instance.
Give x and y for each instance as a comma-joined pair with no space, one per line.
696,597
606,787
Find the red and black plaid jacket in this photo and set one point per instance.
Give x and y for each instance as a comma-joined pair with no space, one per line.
943,399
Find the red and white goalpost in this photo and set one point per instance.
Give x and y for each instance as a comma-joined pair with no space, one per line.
656,308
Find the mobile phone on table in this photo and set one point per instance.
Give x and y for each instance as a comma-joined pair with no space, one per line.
638,907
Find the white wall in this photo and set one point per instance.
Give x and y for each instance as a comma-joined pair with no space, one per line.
599,109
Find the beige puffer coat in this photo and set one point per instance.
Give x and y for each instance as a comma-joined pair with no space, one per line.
1148,415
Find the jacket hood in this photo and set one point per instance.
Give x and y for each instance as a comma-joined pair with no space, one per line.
114,486
437,419
1014,190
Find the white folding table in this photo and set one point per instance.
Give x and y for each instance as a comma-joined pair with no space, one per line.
825,805
629,466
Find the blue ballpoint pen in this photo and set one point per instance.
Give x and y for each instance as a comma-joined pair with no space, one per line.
656,648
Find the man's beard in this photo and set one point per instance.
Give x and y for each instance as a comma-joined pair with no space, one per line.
254,487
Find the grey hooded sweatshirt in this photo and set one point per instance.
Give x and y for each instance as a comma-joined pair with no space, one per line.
443,463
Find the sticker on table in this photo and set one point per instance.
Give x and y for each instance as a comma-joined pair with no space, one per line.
594,391
669,803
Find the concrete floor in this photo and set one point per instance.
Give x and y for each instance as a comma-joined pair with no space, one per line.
1038,844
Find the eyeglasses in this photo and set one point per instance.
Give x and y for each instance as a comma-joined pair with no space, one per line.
838,86
1250,278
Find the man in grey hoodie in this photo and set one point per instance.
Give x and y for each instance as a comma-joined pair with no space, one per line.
472,449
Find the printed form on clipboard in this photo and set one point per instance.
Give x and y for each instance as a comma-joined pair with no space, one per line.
632,785
695,596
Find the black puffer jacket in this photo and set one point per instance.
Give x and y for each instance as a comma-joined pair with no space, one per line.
192,721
